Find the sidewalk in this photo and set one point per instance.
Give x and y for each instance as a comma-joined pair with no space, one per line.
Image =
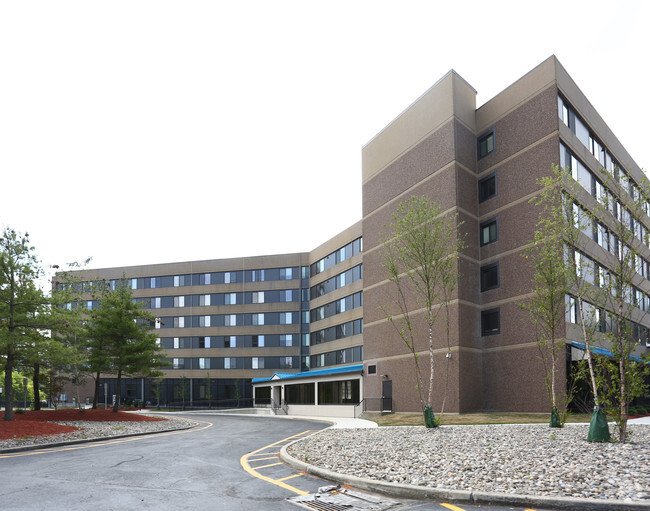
337,422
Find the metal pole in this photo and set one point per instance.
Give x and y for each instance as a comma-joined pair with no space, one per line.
25,393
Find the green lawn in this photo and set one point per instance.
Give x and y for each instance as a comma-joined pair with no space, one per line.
416,419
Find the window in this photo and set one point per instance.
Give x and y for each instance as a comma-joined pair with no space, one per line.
489,277
286,295
204,363
230,363
258,341
286,362
155,303
258,297
372,369
286,340
230,298
179,301
230,320
204,321
486,144
257,362
230,341
204,342
487,187
489,232
204,300
490,322
286,273
302,393
286,318
258,319
179,322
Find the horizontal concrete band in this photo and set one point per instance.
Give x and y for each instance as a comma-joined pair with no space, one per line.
408,491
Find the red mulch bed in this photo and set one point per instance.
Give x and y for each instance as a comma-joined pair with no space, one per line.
72,414
25,429
33,423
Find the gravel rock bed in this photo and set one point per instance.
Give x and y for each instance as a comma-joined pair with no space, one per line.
94,429
517,459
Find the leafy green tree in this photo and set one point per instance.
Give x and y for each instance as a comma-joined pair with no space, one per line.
575,224
551,284
622,376
23,306
18,387
420,258
156,389
121,330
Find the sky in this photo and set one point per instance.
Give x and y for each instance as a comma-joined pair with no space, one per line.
141,132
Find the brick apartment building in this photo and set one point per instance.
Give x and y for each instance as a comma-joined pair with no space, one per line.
229,321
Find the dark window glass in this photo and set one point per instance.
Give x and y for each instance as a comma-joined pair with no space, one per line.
489,277
372,369
487,188
489,232
490,322
302,393
485,145
338,392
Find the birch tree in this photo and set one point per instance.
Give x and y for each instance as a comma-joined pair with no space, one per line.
420,258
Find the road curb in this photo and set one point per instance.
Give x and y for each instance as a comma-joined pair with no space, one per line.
408,491
39,447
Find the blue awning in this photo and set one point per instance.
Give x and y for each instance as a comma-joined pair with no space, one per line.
357,368
600,351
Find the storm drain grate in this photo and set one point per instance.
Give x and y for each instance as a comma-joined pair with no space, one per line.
334,498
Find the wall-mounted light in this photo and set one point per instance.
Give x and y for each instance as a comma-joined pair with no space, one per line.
448,355
384,376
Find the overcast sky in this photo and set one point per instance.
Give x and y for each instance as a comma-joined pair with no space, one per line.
141,132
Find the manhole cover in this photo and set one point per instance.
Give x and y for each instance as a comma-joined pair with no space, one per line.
335,498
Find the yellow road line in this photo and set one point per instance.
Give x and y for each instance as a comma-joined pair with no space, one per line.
105,442
269,465
267,458
452,507
244,461
289,477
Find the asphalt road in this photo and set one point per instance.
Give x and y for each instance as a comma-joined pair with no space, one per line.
228,464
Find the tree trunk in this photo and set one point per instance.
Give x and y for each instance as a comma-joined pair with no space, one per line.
622,430
590,363
117,392
96,394
9,388
430,397
37,392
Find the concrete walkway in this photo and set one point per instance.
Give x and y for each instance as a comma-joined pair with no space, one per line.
337,422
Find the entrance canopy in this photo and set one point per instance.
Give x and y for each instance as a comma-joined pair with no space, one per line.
333,392
358,368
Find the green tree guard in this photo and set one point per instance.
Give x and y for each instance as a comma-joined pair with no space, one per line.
555,418
429,419
598,428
